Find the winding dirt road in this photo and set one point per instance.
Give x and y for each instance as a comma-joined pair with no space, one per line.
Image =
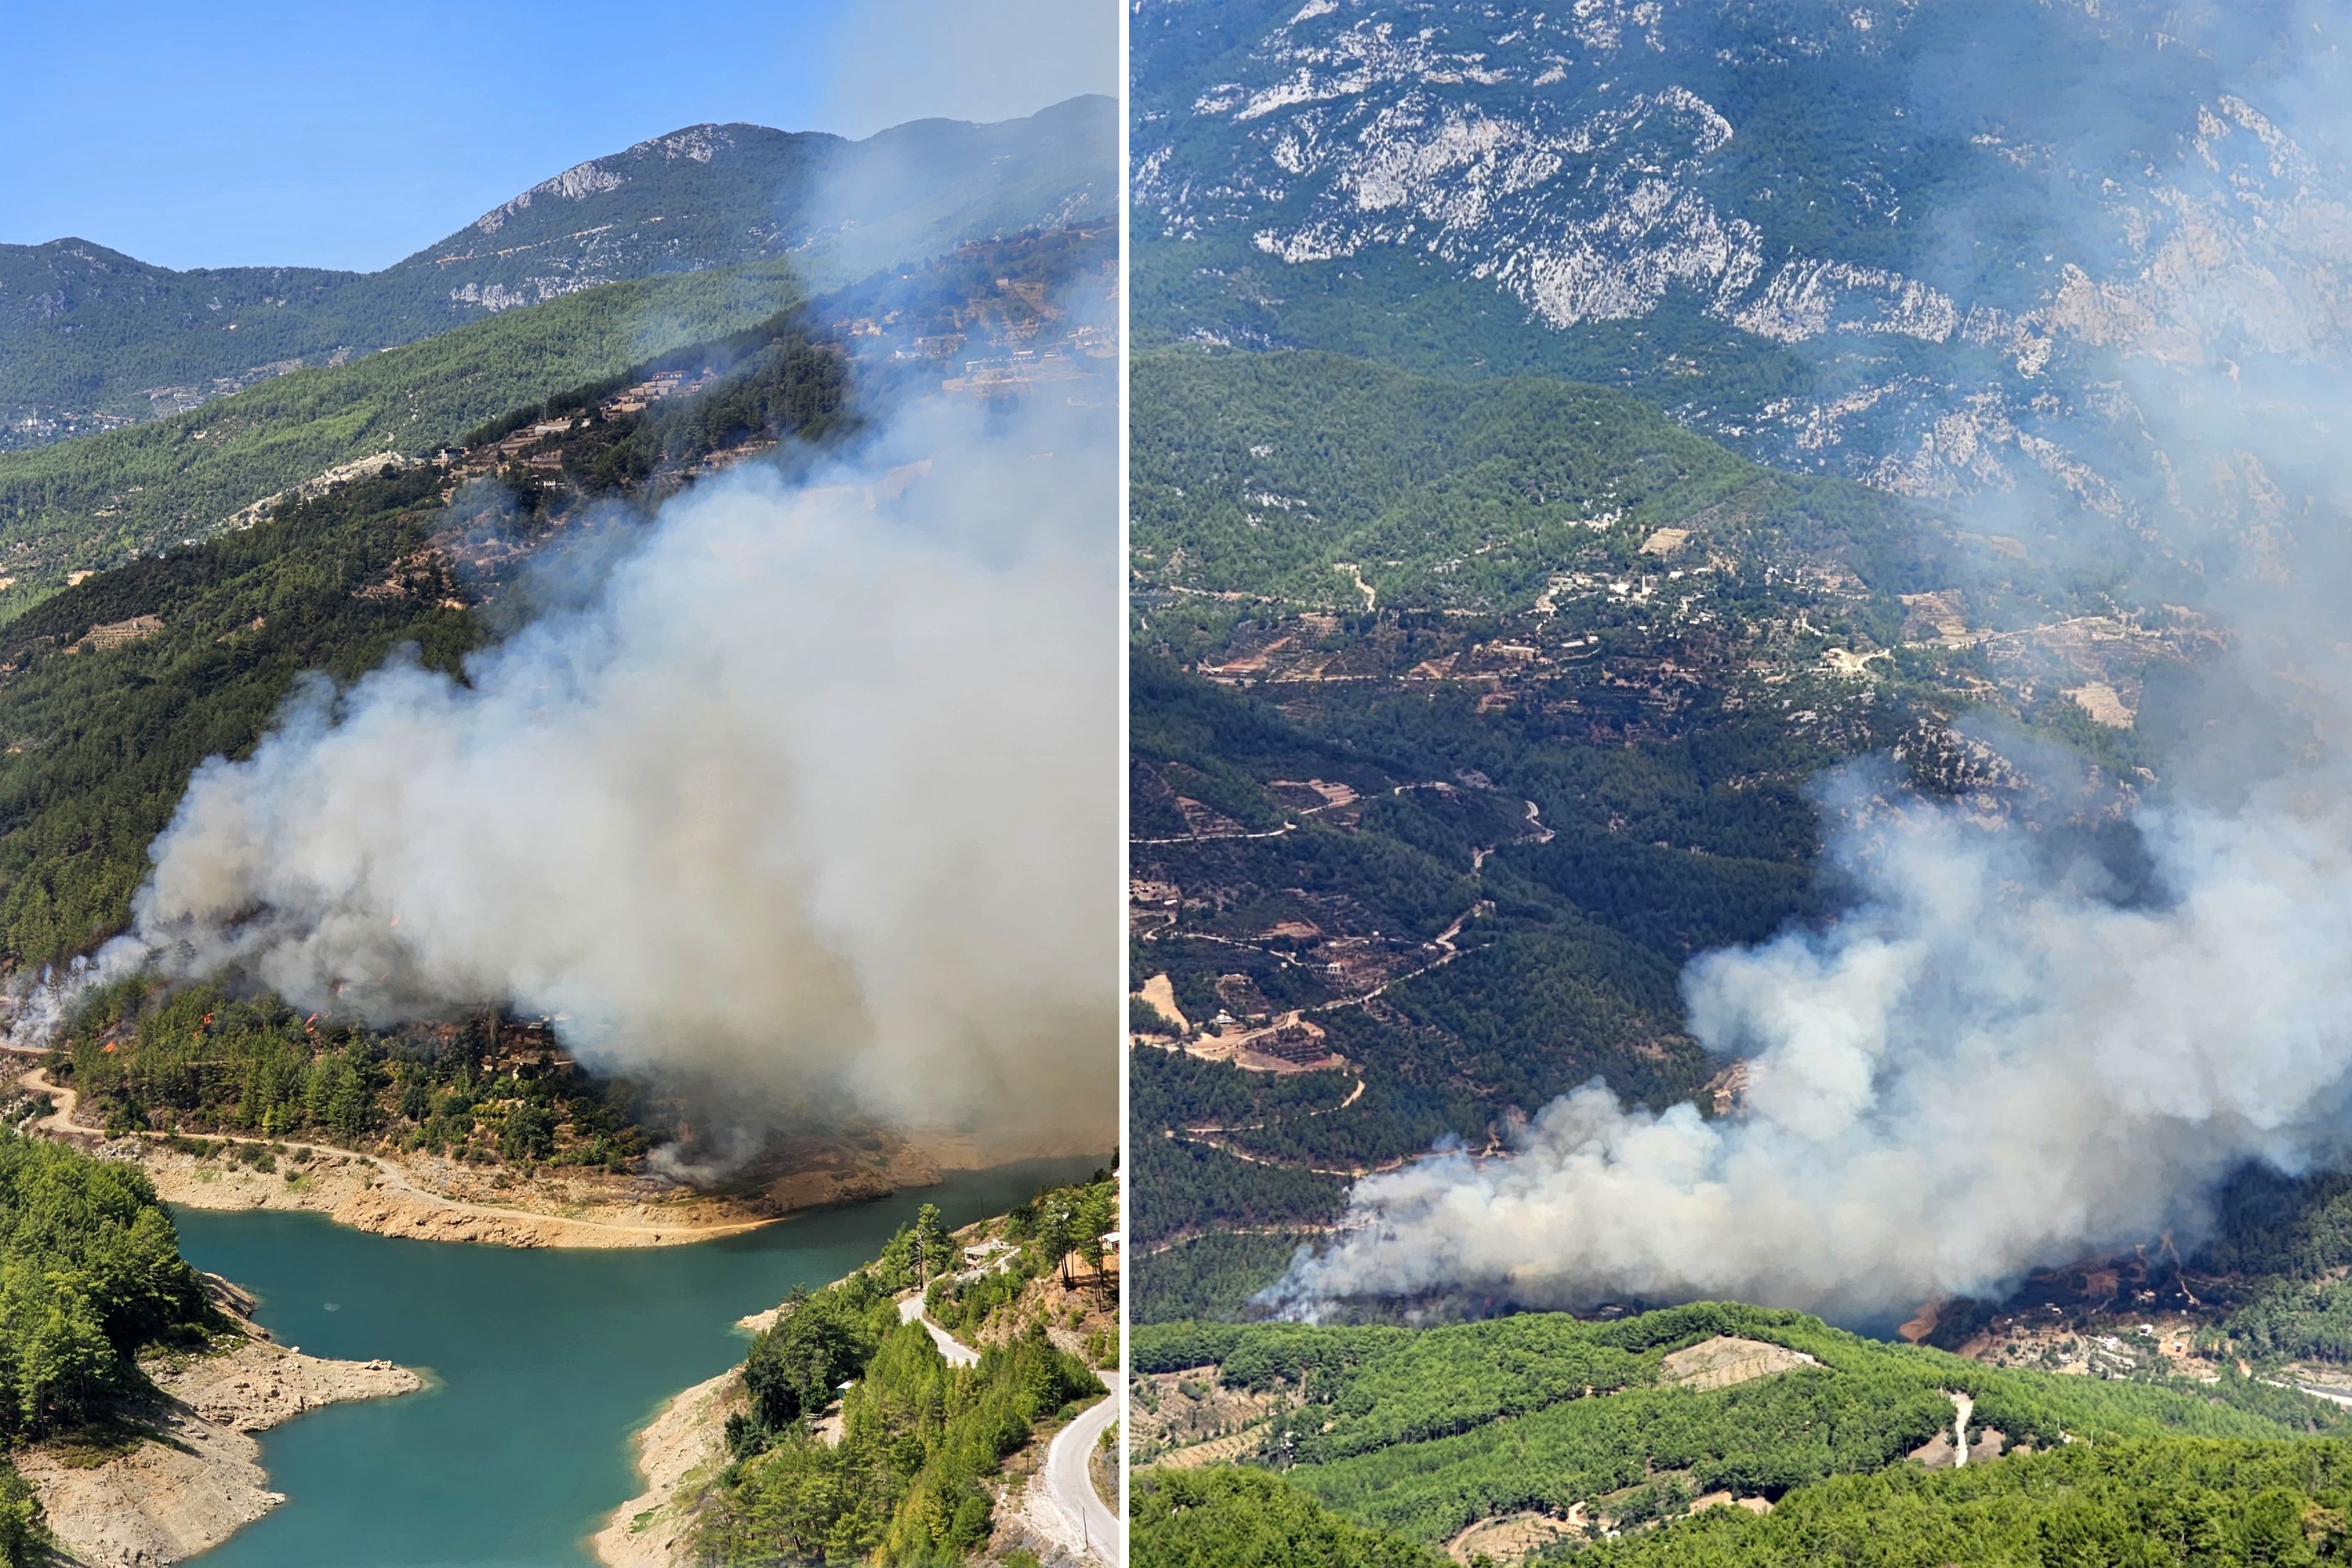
59,1124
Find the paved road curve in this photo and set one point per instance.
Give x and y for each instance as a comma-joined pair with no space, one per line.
1068,1485
1072,1489
955,1349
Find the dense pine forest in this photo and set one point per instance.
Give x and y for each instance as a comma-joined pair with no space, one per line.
1417,1435
91,1276
2158,1502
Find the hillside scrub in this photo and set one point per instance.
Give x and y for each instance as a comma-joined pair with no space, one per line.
904,1483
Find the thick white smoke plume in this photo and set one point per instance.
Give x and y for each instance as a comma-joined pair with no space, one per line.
1980,1067
813,796
1986,1063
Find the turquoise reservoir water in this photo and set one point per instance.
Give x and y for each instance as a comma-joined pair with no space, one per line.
543,1363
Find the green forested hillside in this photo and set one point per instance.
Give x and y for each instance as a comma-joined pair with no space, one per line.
91,502
100,740
2275,1266
143,1057
1462,714
2148,1503
94,502
111,691
1426,1432
91,1274
1442,494
906,1481
2165,1502
1229,1518
1683,831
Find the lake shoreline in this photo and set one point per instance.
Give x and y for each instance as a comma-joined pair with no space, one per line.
384,1196
193,1478
683,1443
428,1198
679,1452
544,1362
425,1197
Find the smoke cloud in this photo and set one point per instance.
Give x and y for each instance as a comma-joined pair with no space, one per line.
1997,1057
1986,1063
810,796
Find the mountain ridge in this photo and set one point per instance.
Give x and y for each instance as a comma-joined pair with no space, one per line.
93,338
1952,252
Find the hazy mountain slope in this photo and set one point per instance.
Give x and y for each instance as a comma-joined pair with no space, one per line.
91,502
1943,248
1465,713
88,336
1462,714
99,499
112,690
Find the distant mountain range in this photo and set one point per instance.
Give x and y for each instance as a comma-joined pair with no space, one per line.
1947,249
91,338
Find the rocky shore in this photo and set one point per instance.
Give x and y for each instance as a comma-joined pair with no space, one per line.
429,1198
187,1474
391,1198
679,1448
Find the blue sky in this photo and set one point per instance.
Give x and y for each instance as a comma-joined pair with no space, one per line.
334,135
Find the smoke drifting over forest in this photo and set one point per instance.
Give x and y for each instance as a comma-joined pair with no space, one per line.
810,796
2000,1057
1983,1065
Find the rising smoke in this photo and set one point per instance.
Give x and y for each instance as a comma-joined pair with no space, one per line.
1984,1065
810,797
1998,1058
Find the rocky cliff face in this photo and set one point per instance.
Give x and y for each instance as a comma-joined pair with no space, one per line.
1991,247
